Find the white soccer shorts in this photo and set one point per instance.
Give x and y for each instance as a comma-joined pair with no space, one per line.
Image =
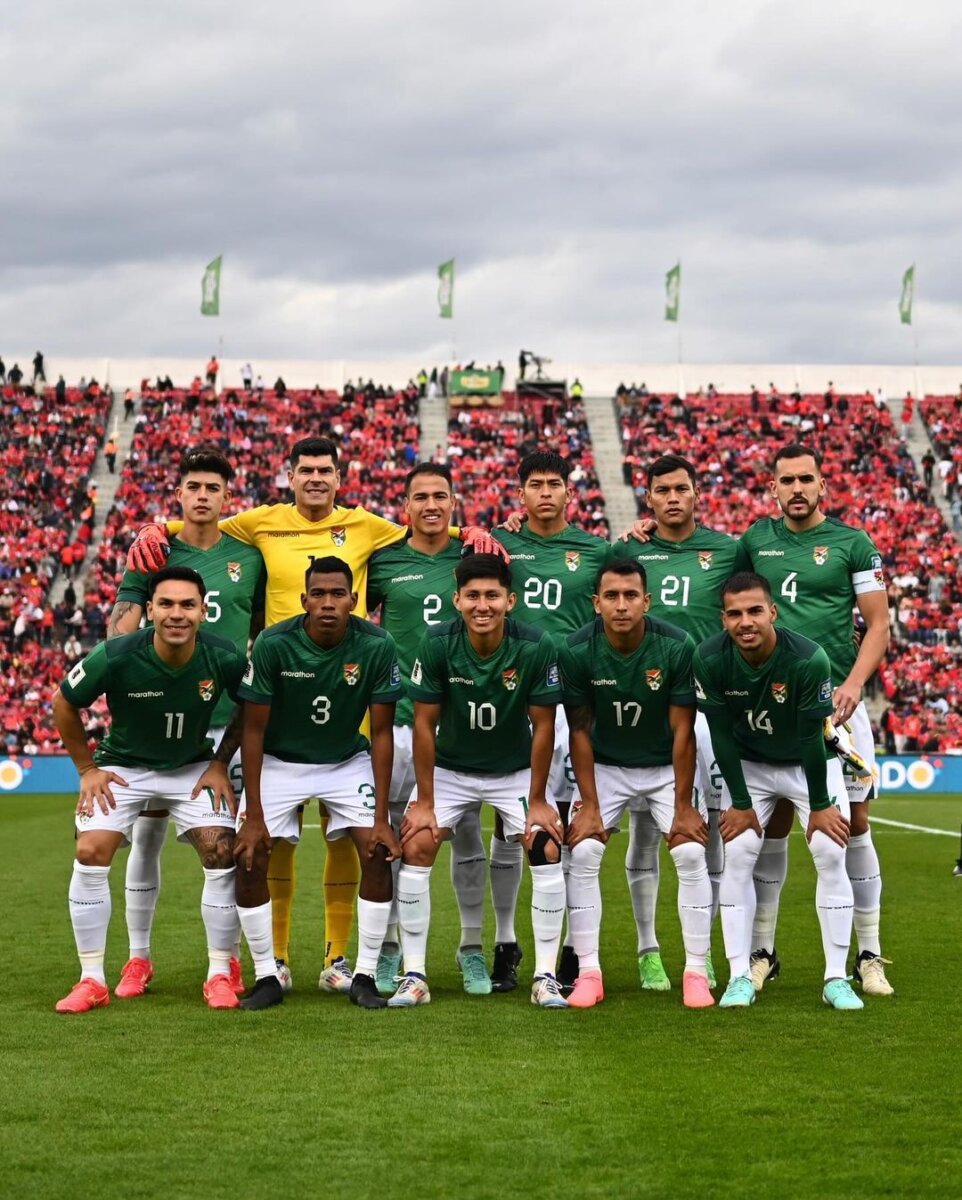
708,778
169,790
402,774
637,789
861,725
768,783
346,790
561,778
457,793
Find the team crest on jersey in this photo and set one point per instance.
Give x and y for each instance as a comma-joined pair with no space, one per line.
572,560
338,535
820,554
510,679
779,692
206,689
352,673
704,559
234,572
653,678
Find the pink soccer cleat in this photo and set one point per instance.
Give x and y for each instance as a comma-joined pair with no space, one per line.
219,993
589,990
236,977
695,991
135,976
84,996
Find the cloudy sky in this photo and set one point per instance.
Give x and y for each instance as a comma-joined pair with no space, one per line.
795,157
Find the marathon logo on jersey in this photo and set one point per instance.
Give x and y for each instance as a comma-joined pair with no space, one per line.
779,692
352,673
249,673
416,672
653,678
338,535
704,559
510,679
700,691
825,691
820,554
572,560
206,689
234,572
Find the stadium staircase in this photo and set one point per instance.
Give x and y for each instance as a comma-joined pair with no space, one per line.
620,505
105,483
917,443
433,418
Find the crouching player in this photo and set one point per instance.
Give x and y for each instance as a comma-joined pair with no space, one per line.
766,691
630,699
162,685
311,681
485,689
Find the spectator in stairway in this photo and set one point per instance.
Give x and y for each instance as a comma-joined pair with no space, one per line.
60,390
928,468
38,371
110,454
247,376
908,407
955,508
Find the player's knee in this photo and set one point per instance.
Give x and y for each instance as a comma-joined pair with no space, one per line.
421,850
688,856
858,821
827,854
544,850
92,854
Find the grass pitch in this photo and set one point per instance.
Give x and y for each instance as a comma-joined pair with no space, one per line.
482,1097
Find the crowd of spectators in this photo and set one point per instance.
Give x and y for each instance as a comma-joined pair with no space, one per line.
872,482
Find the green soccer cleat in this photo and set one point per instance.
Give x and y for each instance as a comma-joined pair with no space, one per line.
388,968
652,973
740,993
838,994
474,973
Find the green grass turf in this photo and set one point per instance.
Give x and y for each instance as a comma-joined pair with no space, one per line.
479,1096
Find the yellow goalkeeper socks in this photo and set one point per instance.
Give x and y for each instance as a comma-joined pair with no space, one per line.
342,875
281,876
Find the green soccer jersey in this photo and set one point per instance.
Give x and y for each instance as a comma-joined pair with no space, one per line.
484,727
554,576
319,696
815,578
629,693
233,574
415,591
763,704
160,714
684,578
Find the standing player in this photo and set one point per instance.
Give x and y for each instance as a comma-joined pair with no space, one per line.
766,692
290,537
685,564
485,689
554,566
162,686
630,698
234,609
412,582
818,569
311,682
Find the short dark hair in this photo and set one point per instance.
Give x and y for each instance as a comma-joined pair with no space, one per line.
545,462
206,458
744,581
482,566
329,564
313,447
797,450
181,574
671,462
428,468
622,566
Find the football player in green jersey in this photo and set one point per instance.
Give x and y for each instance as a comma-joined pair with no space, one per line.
819,569
310,683
629,693
233,608
685,563
485,689
553,565
162,686
413,584
766,692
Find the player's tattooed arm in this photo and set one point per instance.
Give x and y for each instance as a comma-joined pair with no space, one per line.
214,846
125,618
231,740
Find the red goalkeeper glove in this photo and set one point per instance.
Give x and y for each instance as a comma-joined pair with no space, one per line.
478,541
149,549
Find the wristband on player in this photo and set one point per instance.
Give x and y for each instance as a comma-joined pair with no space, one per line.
149,550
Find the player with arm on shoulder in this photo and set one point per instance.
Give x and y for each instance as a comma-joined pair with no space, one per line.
628,688
162,685
685,564
819,569
766,692
234,609
311,680
554,565
412,582
484,689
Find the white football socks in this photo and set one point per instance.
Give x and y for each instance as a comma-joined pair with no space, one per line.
506,866
833,901
769,875
547,915
641,867
219,912
89,903
257,924
143,881
694,902
737,899
865,875
584,902
414,914
372,922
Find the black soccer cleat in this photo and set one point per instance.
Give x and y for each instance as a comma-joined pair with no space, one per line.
567,969
265,993
504,973
364,992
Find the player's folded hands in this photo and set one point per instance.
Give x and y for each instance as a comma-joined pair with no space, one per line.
419,817
95,790
383,835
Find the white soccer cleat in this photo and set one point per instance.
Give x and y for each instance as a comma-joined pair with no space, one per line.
337,977
839,739
870,973
546,992
283,974
412,990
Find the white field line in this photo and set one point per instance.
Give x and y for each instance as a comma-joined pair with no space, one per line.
874,820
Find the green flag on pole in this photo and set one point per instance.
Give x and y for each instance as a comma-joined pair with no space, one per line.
905,300
446,289
672,292
210,289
